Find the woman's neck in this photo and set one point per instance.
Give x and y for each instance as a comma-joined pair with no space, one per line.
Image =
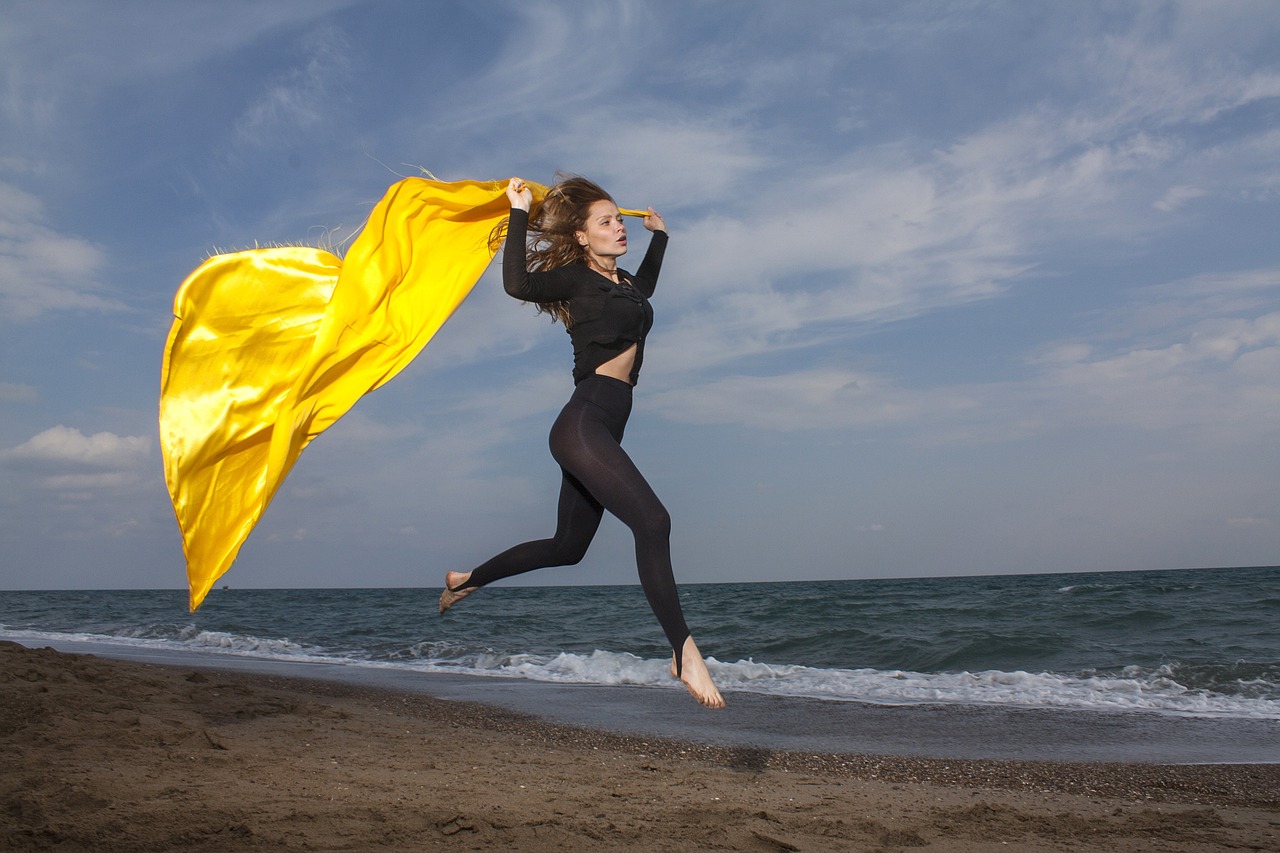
604,266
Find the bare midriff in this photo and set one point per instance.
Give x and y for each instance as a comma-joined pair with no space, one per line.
620,366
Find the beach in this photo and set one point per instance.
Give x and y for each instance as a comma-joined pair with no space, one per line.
102,754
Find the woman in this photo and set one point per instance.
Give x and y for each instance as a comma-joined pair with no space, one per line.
572,272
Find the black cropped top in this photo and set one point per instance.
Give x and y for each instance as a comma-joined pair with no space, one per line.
605,317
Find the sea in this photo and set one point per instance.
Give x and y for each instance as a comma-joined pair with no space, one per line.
1190,643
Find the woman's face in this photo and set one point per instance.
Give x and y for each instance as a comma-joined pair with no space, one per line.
603,234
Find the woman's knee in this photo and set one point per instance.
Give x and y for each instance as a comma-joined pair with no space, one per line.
570,552
653,523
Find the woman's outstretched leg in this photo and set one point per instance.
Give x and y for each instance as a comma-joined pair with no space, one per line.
577,520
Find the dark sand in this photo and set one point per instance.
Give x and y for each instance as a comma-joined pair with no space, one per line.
106,755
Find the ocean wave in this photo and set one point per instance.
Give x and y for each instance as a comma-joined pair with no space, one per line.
1189,643
210,642
1242,691
1154,692
222,641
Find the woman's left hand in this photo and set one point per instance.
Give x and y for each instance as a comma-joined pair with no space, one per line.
654,221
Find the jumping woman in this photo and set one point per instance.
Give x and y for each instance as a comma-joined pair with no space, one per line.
571,271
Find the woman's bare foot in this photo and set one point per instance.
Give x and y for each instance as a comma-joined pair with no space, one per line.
452,595
695,675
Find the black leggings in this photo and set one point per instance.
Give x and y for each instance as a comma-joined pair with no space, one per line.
598,475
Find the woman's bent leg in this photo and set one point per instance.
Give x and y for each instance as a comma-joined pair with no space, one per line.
585,443
608,472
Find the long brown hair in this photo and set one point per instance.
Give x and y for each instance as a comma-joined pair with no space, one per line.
553,225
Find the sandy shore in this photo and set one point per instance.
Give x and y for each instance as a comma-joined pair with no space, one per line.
108,755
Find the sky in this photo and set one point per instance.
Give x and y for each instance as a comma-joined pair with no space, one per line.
953,288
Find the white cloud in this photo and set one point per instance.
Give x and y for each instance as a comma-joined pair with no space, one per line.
1177,196
1211,375
1215,376
1219,377
797,263
42,270
62,445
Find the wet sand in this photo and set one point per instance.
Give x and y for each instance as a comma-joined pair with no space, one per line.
99,754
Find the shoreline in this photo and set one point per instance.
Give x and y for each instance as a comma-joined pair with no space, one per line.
786,724
114,755
1224,783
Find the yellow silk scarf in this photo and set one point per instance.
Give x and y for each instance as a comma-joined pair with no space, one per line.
270,347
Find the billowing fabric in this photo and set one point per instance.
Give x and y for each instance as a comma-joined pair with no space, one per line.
269,347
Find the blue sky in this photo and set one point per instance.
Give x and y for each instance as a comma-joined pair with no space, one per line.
956,288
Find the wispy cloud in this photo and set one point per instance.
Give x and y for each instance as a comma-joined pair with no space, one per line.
892,232
42,270
1217,376
300,98
808,400
669,162
1213,375
17,392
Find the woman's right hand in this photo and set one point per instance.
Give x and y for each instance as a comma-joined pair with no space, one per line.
521,196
